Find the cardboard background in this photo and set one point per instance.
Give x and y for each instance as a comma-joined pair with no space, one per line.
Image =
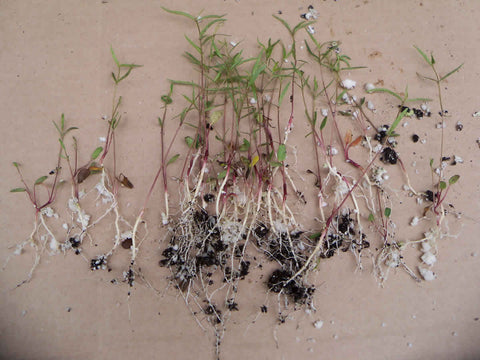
55,59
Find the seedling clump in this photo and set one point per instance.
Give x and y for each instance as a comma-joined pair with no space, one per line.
240,185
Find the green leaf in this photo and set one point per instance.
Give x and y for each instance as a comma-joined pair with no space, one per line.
166,99
443,185
18,190
189,140
130,66
57,127
160,122
181,13
222,174
173,159
195,46
41,179
204,30
453,179
114,57
397,121
62,122
424,55
96,152
245,146
275,164
282,95
324,123
281,152
371,218
16,164
388,211
284,23
451,72
431,162
383,90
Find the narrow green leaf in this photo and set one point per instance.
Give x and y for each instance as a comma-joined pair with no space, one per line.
324,123
96,152
222,174
18,190
245,146
166,99
396,122
173,159
181,13
57,127
281,152
114,78
423,55
453,179
41,179
195,46
204,30
431,162
160,122
451,72
388,212
282,95
371,218
114,56
284,24
382,90
443,185
70,129
189,141
62,122
130,66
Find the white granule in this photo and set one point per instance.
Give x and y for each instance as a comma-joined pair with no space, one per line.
428,275
405,124
332,151
426,246
476,114
318,324
414,221
370,105
310,29
441,125
253,101
423,141
428,258
424,107
369,87
102,139
267,98
458,159
377,148
348,84
393,258
324,112
48,212
164,219
233,43
53,244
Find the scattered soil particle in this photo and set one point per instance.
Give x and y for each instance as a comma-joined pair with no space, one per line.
264,309
389,156
415,138
209,198
127,243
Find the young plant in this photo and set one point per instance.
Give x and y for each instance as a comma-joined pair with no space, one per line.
42,208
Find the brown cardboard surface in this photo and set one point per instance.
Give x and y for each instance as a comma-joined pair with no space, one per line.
55,59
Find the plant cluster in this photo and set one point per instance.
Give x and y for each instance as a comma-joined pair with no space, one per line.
239,181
